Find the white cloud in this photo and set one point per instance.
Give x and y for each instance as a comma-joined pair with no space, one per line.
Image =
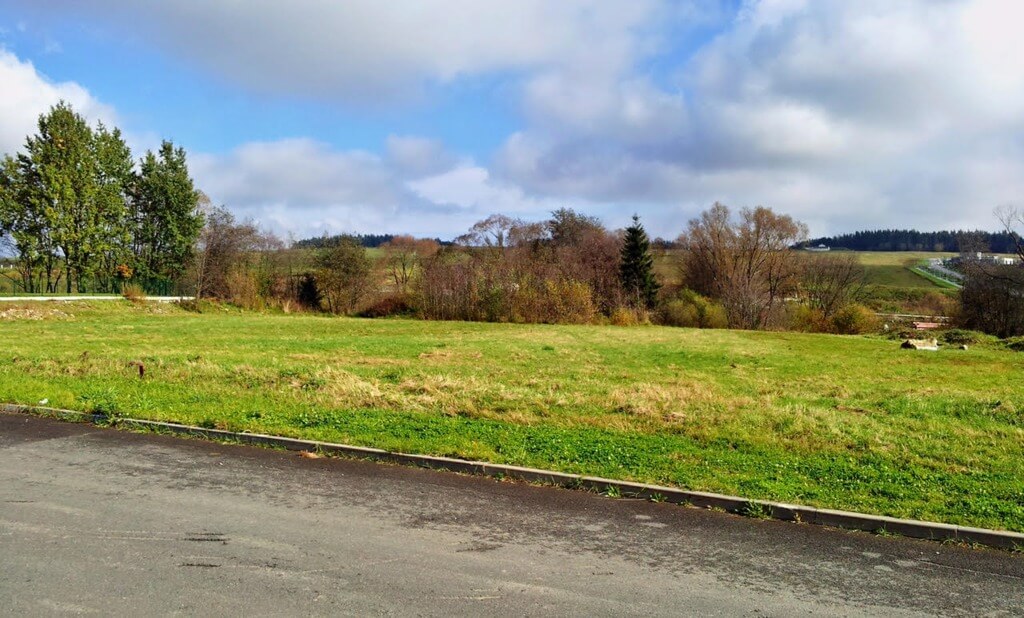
369,50
417,157
307,188
27,94
847,114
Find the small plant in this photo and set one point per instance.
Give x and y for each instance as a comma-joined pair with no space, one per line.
611,491
756,510
656,497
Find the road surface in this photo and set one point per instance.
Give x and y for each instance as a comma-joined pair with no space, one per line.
103,521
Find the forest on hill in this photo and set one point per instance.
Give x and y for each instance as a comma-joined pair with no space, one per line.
913,240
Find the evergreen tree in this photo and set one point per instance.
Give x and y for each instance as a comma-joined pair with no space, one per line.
636,267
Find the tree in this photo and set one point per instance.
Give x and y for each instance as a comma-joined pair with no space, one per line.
492,232
167,219
403,256
108,251
636,267
344,275
59,171
566,227
746,264
222,248
992,299
831,282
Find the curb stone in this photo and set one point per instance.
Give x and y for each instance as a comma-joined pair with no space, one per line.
733,504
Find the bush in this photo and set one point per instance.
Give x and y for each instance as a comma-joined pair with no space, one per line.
627,316
391,305
133,292
308,294
243,289
691,310
959,336
568,302
807,319
679,313
854,319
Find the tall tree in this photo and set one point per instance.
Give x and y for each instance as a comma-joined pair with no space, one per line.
109,245
59,168
636,267
167,219
746,263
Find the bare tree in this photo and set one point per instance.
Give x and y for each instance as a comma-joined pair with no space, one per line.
224,248
492,232
992,299
403,256
831,282
1012,218
744,262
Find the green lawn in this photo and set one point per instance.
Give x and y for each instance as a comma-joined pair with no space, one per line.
842,422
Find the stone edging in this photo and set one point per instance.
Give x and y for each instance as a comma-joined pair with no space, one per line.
733,504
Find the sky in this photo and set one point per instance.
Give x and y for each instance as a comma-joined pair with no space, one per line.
424,116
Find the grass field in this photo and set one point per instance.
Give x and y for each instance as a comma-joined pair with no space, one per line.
893,268
842,422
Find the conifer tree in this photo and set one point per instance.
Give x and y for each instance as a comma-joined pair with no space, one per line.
636,267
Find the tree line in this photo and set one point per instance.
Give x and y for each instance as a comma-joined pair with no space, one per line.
81,214
913,240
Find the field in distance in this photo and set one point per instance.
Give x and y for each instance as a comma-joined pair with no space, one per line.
892,268
842,422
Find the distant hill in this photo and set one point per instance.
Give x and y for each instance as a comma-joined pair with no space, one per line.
367,240
913,240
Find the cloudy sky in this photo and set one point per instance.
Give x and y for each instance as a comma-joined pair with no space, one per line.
424,116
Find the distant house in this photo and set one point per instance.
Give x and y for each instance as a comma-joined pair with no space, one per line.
1001,260
819,248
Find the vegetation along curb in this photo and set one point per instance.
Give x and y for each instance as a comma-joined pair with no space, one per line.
733,504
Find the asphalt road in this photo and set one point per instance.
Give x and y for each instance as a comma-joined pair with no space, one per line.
103,521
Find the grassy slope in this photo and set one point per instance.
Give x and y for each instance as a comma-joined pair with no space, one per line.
843,422
893,268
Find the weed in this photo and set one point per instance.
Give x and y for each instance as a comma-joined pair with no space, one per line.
757,510
611,491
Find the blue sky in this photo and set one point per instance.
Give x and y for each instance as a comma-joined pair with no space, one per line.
318,116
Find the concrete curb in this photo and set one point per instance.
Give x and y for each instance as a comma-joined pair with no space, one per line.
732,504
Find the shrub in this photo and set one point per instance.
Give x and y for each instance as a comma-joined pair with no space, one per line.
243,289
626,316
133,292
679,313
391,305
569,302
854,319
308,294
959,336
689,309
807,319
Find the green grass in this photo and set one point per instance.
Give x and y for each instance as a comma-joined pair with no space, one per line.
840,422
942,283
896,268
